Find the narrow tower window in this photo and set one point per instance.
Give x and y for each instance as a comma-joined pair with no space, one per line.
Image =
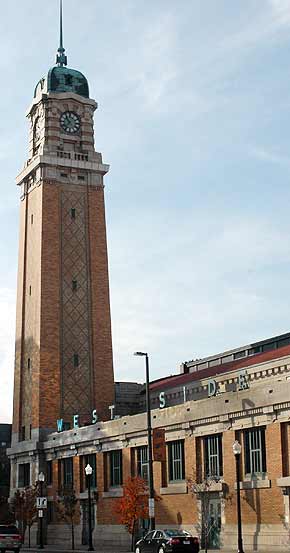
76,360
73,213
29,363
74,285
32,218
30,290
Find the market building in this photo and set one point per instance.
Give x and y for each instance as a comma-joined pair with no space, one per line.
247,399
68,410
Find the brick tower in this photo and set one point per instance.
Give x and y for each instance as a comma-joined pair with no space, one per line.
63,355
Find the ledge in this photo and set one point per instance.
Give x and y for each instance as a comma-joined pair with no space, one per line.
254,484
283,482
113,492
174,489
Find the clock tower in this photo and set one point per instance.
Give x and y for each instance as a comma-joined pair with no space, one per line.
63,353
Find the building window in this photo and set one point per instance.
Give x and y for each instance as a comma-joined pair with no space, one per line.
22,434
176,461
31,219
142,462
74,285
81,177
240,354
63,175
76,360
49,477
253,351
29,363
30,290
269,346
68,472
91,460
213,456
73,213
116,468
255,451
24,475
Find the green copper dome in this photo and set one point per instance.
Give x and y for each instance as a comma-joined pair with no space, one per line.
64,79
61,78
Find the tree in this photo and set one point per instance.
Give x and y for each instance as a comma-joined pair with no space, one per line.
23,507
68,510
133,505
31,512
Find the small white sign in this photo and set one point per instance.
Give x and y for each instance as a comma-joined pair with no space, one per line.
41,502
151,507
40,513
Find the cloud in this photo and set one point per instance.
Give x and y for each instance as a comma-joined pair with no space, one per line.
268,156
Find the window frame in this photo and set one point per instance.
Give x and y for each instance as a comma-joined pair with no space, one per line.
176,461
68,464
213,456
91,459
255,451
143,462
116,468
24,478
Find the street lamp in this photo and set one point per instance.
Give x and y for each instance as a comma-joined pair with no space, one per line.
149,434
89,472
237,448
41,479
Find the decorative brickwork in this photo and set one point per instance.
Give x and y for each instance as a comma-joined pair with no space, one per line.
76,305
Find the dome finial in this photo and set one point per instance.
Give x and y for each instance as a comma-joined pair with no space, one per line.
61,58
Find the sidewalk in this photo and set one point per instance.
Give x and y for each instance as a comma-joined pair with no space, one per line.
109,549
57,549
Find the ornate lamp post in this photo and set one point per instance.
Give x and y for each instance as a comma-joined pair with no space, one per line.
149,434
237,448
41,479
89,472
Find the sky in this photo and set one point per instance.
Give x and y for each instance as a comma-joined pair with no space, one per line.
194,119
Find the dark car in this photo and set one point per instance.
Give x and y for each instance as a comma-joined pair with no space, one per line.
10,539
167,541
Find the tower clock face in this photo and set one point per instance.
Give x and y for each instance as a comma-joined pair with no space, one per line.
70,122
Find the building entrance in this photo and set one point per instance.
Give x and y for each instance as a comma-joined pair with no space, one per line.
85,520
211,522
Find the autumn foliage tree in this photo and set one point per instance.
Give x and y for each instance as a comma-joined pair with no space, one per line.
23,507
68,510
133,505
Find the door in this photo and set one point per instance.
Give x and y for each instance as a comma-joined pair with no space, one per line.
211,521
214,524
85,518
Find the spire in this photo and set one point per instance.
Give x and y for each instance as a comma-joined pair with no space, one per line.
61,58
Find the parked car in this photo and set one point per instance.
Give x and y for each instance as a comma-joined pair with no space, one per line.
167,541
10,539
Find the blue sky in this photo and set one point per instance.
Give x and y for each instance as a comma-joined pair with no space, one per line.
194,119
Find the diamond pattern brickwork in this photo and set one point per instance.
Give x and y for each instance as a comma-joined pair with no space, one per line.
76,339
